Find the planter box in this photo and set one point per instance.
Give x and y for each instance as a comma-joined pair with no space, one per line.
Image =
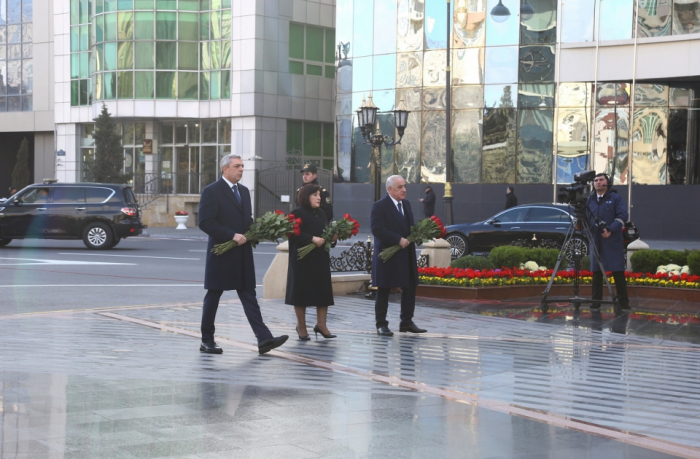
529,291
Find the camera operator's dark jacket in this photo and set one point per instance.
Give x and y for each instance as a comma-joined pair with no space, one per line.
612,210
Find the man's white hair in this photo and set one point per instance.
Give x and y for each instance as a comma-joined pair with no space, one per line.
226,160
392,180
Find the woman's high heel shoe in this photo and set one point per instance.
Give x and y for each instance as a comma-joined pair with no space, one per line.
317,330
303,338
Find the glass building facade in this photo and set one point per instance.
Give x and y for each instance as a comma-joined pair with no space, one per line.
16,53
512,119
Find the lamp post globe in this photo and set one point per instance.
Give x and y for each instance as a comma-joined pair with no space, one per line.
500,13
526,11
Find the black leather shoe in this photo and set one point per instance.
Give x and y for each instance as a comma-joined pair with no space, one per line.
210,348
412,328
270,344
384,331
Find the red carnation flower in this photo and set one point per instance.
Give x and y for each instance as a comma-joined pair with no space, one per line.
279,212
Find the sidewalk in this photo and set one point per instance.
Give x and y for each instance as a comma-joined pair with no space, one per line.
483,387
196,233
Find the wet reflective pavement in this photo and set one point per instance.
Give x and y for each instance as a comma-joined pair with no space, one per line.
130,382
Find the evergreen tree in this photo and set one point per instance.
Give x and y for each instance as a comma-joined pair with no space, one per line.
20,174
506,98
109,157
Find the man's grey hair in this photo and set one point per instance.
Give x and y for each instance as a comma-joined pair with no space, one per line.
392,180
226,160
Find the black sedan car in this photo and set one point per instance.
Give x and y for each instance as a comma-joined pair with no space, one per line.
534,225
100,214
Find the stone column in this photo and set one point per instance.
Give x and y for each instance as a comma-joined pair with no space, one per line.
275,280
439,253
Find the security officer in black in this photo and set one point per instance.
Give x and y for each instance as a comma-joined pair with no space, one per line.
310,175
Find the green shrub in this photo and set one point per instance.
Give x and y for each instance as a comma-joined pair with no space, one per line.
675,256
509,256
473,262
646,261
694,262
544,257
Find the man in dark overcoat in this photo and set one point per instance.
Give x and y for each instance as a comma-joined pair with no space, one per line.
391,220
429,202
225,214
607,214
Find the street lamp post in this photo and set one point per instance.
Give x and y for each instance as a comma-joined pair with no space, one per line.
367,117
447,207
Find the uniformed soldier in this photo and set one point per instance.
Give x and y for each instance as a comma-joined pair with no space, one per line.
310,175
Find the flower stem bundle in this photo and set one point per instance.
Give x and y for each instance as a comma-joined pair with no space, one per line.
271,227
345,228
424,230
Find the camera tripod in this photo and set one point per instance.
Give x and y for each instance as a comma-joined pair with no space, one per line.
576,256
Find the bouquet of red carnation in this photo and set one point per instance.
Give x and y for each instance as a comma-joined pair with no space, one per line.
424,230
271,226
344,228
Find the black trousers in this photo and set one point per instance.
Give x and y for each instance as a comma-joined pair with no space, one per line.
408,305
620,287
250,307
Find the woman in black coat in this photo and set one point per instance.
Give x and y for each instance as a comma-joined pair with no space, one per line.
309,279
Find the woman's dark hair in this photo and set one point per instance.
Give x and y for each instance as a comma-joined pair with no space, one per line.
305,193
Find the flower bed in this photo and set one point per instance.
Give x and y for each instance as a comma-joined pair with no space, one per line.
456,277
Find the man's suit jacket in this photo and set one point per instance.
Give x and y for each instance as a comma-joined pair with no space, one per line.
221,216
388,227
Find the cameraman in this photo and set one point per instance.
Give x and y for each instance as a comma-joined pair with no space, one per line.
607,214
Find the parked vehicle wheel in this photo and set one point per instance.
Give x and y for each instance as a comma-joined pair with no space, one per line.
4,242
576,244
458,245
98,236
116,241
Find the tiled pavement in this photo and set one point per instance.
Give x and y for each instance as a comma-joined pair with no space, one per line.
130,382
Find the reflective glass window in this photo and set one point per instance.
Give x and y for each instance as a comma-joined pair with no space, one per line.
467,66
144,85
166,54
540,27
166,25
123,5
501,65
678,127
204,26
226,24
343,29
574,95
577,21
225,84
144,51
188,5
466,145
204,78
215,54
408,152
143,4
362,74
296,41
187,85
27,11
99,24
650,133
187,58
215,25
314,44
535,133
363,27
14,12
654,18
435,24
434,99
125,85
110,56
166,85
110,5
537,64
545,214
535,95
686,17
434,64
469,23
215,85
409,70
384,72
500,96
434,144
187,27
503,30
572,139
110,26
467,97
409,25
143,29
226,54
650,95
125,55
616,19
110,85
611,142
512,215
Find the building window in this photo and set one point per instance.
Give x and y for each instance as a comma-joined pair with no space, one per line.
81,65
179,50
86,151
189,152
309,142
16,65
311,50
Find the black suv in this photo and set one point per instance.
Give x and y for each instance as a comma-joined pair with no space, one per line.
100,214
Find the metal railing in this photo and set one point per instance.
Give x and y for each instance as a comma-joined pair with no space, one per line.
150,186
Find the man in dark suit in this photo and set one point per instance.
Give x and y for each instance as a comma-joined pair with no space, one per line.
428,202
225,214
391,220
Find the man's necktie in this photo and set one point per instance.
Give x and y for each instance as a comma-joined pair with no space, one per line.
235,191
400,209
